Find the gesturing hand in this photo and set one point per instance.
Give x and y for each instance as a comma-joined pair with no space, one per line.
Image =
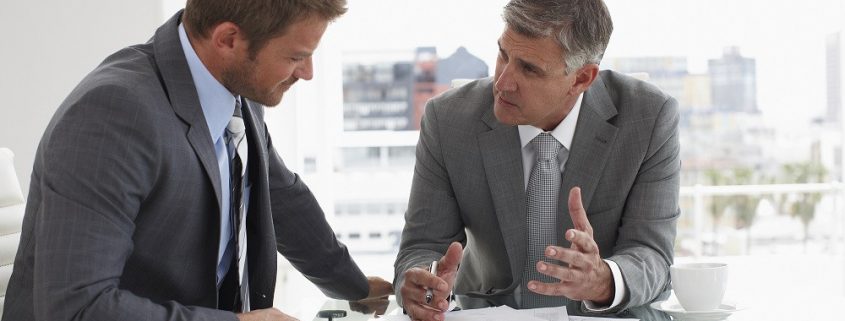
417,280
587,276
271,314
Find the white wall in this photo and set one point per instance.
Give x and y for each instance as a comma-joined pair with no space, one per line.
47,47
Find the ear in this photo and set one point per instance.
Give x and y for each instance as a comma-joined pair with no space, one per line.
584,77
227,40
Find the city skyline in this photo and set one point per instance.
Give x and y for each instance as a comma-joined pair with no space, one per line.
787,38
790,56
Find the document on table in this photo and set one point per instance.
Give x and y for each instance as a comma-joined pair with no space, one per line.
503,313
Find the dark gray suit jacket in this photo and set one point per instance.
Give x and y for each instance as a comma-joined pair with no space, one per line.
122,220
468,187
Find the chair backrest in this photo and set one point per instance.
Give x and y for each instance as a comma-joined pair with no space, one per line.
460,82
11,217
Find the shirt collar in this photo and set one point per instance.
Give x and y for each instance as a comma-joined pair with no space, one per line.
563,132
218,103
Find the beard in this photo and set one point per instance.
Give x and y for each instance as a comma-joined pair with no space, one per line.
241,80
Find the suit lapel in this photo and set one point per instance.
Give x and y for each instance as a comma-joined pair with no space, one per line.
502,158
182,93
590,147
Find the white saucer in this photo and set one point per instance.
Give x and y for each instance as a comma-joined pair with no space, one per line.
677,312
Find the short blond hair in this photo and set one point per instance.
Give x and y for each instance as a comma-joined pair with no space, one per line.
260,20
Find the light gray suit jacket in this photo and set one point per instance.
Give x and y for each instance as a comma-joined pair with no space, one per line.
468,187
122,221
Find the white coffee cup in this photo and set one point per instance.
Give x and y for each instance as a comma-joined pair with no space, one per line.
699,286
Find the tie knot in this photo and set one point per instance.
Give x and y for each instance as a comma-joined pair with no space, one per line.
547,146
236,126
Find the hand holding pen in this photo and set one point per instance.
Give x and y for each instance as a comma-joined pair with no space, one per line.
428,293
425,292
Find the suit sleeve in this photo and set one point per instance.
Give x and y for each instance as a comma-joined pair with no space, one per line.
644,248
432,220
305,238
96,167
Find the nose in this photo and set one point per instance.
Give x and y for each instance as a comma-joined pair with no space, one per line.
304,71
505,81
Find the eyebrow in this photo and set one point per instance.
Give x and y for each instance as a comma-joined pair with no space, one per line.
539,70
303,54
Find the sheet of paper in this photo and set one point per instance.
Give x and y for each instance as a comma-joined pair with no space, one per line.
502,313
577,318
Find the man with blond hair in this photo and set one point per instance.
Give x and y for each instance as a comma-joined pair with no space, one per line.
156,191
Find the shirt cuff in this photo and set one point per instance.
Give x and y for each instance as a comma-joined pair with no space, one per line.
619,287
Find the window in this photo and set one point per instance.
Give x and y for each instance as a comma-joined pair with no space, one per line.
758,85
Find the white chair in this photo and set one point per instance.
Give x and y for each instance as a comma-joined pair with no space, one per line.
460,82
11,218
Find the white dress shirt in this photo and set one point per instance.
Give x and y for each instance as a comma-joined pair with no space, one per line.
564,133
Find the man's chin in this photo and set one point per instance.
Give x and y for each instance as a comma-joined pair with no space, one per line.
268,101
275,101
503,116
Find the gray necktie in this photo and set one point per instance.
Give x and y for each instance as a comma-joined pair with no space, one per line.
238,152
543,193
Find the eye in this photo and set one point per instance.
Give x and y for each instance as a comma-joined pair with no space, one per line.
297,59
529,68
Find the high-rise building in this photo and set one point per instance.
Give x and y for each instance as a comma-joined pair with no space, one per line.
670,74
667,73
384,96
833,62
425,82
391,94
459,65
377,96
733,82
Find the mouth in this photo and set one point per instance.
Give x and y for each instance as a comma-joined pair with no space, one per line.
504,102
285,85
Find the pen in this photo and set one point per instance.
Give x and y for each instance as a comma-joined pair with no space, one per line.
428,294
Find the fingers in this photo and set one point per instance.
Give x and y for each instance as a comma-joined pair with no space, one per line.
452,259
574,258
551,289
370,306
422,280
413,291
382,308
420,312
559,272
582,241
577,211
271,314
586,277
379,288
417,281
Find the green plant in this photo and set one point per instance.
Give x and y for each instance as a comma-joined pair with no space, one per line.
803,206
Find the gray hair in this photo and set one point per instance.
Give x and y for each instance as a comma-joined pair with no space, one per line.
582,28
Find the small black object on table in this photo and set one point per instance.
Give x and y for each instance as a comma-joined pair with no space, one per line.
331,314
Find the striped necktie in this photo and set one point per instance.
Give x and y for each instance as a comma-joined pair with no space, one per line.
238,153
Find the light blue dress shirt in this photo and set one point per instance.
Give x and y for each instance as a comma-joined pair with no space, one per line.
218,105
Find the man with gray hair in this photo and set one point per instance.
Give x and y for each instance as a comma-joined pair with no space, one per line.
550,184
